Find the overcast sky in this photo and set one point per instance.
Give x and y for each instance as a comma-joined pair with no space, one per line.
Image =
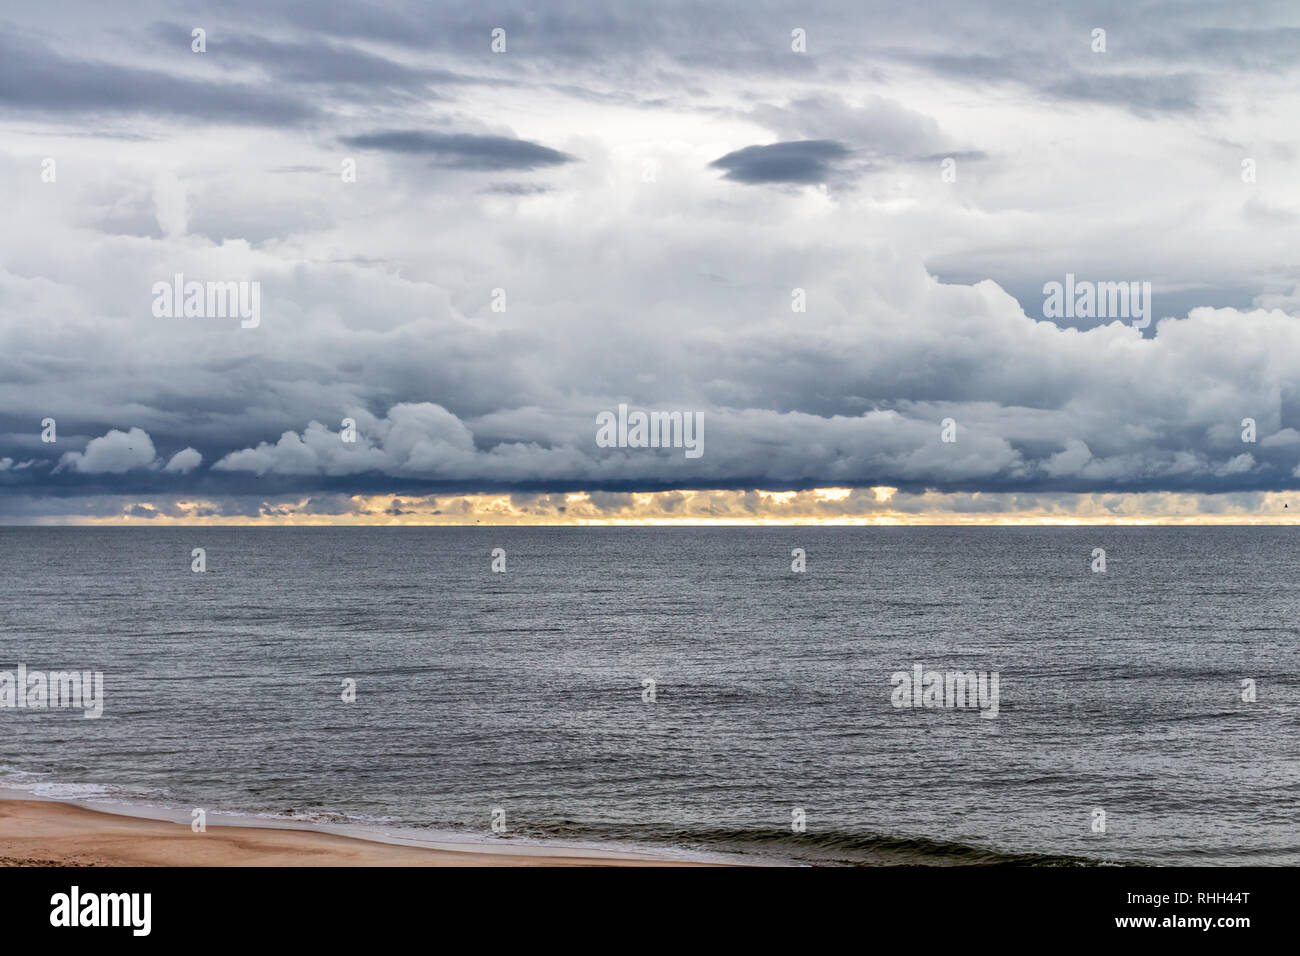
648,184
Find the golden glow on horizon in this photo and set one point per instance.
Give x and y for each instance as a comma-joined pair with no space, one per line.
832,494
875,506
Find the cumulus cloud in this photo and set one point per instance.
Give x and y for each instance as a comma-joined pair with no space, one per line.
170,204
114,453
184,461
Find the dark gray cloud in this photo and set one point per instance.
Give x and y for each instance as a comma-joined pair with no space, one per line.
808,161
1173,93
36,78
1067,77
462,150
993,42
517,189
325,62
1263,49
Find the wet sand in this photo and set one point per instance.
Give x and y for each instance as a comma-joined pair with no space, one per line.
46,833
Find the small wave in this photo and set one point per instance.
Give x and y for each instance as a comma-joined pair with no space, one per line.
827,847
8,773
38,784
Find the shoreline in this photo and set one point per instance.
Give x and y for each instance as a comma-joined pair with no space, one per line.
39,832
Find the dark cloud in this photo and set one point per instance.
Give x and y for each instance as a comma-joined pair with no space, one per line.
1172,93
33,77
517,189
1271,49
994,41
1065,76
808,161
325,62
462,150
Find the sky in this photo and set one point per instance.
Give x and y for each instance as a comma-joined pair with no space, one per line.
823,231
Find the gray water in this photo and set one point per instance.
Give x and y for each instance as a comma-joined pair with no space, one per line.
524,690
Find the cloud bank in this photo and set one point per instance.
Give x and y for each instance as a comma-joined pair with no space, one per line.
471,255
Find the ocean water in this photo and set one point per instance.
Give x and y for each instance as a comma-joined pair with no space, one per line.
1119,692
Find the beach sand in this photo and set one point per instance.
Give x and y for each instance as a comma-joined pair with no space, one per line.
46,833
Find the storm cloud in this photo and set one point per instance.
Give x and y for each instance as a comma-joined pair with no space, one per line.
465,256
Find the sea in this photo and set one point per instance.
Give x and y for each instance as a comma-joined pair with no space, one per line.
678,691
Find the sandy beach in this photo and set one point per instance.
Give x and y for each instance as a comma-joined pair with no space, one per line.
46,833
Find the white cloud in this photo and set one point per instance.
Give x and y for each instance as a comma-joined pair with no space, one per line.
184,461
171,205
114,453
